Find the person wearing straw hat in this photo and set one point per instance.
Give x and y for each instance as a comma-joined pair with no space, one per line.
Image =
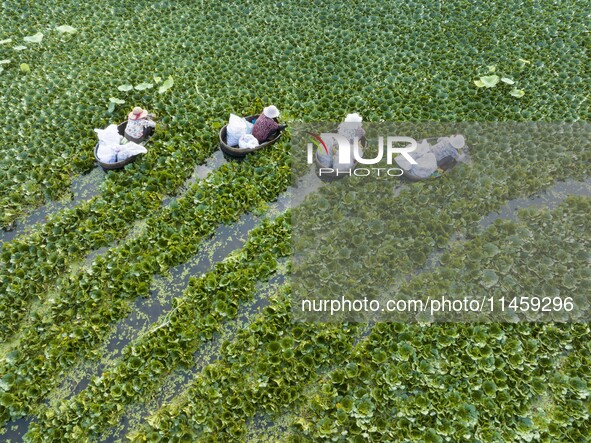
265,126
138,120
351,127
352,130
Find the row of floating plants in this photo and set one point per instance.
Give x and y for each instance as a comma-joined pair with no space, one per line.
137,249
29,264
210,81
206,304
568,417
69,106
295,67
264,369
65,80
85,304
492,382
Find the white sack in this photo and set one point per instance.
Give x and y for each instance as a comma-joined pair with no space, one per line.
128,150
248,141
236,128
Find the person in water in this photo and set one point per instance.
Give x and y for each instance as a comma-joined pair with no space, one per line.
265,126
138,121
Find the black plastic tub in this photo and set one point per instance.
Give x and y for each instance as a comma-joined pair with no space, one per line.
234,151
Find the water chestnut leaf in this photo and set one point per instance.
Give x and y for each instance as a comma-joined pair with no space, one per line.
489,278
34,38
143,86
166,85
125,88
66,29
490,81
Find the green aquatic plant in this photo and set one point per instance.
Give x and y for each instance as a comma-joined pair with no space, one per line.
71,78
168,83
143,86
491,80
131,283
113,102
66,29
489,278
125,88
37,38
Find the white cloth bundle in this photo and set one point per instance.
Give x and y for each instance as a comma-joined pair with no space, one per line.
111,150
236,128
129,150
248,141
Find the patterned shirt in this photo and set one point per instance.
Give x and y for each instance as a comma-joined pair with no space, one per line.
263,127
135,128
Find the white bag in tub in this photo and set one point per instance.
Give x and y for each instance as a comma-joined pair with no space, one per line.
236,128
108,141
426,165
128,150
444,148
423,147
109,135
403,163
249,127
248,141
106,153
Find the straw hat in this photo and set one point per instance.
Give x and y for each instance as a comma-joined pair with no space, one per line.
137,113
271,111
